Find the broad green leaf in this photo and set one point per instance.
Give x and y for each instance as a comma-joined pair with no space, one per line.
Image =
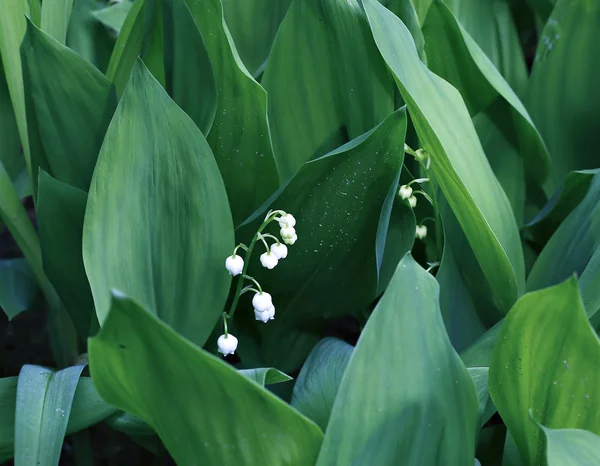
87,409
189,78
144,367
405,10
12,30
333,88
557,382
543,8
55,18
458,162
572,245
60,212
453,55
480,376
43,407
479,354
332,269
563,97
69,105
253,25
129,424
18,288
265,376
392,409
113,16
571,447
319,379
240,135
157,223
588,284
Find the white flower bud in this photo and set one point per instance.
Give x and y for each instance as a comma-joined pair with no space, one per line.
262,301
287,220
268,260
291,240
234,264
421,231
227,344
287,232
280,250
412,201
405,191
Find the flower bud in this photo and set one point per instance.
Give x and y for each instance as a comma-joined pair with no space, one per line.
291,240
412,201
405,191
268,260
227,344
280,250
262,301
287,232
234,265
287,220
421,231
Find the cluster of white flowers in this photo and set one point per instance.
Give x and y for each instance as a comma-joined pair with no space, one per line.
264,310
406,192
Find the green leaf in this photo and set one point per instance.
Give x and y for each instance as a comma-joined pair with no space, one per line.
55,18
318,382
18,288
588,284
157,223
265,376
87,409
60,213
69,105
394,409
139,364
44,400
190,80
572,245
571,447
557,381
480,377
113,16
332,270
333,88
563,96
458,164
253,25
453,55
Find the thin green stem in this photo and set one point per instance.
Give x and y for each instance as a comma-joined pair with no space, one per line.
225,317
267,235
248,288
248,277
262,238
242,246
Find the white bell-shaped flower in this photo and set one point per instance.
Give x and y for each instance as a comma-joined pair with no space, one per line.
270,313
265,315
234,265
405,191
412,201
287,232
280,250
227,344
291,240
287,220
268,260
421,231
262,301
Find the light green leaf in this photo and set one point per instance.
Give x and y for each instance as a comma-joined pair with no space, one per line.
18,288
571,447
588,284
55,18
563,97
557,381
139,364
113,16
458,163
69,106
157,223
189,78
253,25
60,212
265,376
318,382
390,408
44,400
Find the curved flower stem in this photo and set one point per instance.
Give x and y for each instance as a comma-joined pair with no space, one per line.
267,235
225,317
242,246
262,238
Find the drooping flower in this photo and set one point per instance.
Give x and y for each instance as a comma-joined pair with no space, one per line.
262,301
280,250
421,231
268,260
227,344
234,265
412,201
287,220
288,234
265,316
291,240
405,191
271,313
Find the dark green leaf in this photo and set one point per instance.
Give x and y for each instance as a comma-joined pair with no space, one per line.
157,223
139,364
113,16
394,409
55,18
480,376
18,288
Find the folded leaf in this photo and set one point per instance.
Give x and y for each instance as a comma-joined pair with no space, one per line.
571,447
